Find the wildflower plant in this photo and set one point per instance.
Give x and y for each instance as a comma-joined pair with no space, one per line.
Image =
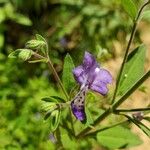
71,116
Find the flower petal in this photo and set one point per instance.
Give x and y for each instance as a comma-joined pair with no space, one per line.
102,78
79,113
102,75
79,75
89,61
100,87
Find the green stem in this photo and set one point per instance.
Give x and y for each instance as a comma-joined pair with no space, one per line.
127,50
50,65
51,68
131,110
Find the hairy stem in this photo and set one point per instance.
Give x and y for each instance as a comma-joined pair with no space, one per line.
127,50
51,68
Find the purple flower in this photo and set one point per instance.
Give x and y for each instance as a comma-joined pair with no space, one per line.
90,76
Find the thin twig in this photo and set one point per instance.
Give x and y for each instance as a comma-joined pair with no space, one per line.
131,110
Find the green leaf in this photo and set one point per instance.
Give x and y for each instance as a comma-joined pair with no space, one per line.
59,99
23,54
133,70
67,78
130,8
49,99
146,15
54,119
53,99
48,106
35,44
132,89
21,19
118,137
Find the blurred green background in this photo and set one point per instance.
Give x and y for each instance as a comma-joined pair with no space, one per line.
70,26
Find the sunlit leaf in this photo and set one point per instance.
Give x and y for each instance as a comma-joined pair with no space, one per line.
21,19
134,69
146,15
130,8
118,137
67,78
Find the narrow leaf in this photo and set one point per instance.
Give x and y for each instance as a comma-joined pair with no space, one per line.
53,99
67,78
130,8
118,137
59,99
49,99
54,119
133,70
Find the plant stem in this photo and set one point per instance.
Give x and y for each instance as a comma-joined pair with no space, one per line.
127,50
50,65
51,68
131,110
129,92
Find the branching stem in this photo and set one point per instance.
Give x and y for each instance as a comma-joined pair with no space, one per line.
130,91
